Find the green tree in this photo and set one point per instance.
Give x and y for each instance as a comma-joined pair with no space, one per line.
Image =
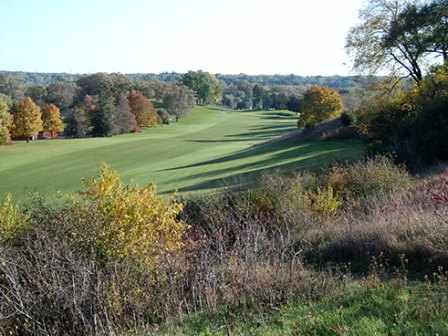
205,85
319,104
259,94
294,103
61,94
37,94
51,119
77,122
27,120
399,36
5,123
178,100
435,16
11,87
98,84
101,117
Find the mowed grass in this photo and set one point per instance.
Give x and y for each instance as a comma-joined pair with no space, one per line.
205,149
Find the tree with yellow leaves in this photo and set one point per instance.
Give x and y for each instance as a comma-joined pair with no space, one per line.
27,120
319,104
51,119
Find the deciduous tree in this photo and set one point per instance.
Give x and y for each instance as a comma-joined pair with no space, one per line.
123,119
143,109
204,84
10,86
5,123
319,104
51,119
98,84
37,94
77,122
178,100
27,120
61,94
399,36
163,117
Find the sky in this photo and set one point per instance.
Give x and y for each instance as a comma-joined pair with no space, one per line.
301,37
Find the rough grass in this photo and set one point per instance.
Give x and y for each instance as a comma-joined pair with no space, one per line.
200,152
364,308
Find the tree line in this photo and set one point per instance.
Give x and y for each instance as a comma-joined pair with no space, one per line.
96,105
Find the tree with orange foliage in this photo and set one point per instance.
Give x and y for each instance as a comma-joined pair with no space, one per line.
142,108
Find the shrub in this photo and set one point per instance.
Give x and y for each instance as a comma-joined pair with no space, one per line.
163,118
14,223
323,203
377,175
134,222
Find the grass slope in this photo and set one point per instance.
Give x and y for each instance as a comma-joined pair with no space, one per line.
197,153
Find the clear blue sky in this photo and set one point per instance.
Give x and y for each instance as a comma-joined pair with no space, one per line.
303,37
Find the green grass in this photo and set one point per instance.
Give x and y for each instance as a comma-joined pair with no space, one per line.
203,150
381,309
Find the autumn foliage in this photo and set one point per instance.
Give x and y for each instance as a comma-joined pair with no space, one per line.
319,104
27,120
135,223
51,119
142,108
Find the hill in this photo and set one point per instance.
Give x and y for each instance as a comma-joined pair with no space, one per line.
203,150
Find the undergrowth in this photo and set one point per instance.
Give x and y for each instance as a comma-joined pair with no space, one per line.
329,253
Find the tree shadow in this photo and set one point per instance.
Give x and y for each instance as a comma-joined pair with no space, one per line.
265,132
306,159
307,156
242,154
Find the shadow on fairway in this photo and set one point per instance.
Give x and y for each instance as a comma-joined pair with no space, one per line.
283,156
244,154
310,161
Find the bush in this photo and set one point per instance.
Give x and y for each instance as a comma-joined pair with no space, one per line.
377,175
14,222
134,222
163,117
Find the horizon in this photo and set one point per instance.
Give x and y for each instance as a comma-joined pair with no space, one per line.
152,37
180,73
